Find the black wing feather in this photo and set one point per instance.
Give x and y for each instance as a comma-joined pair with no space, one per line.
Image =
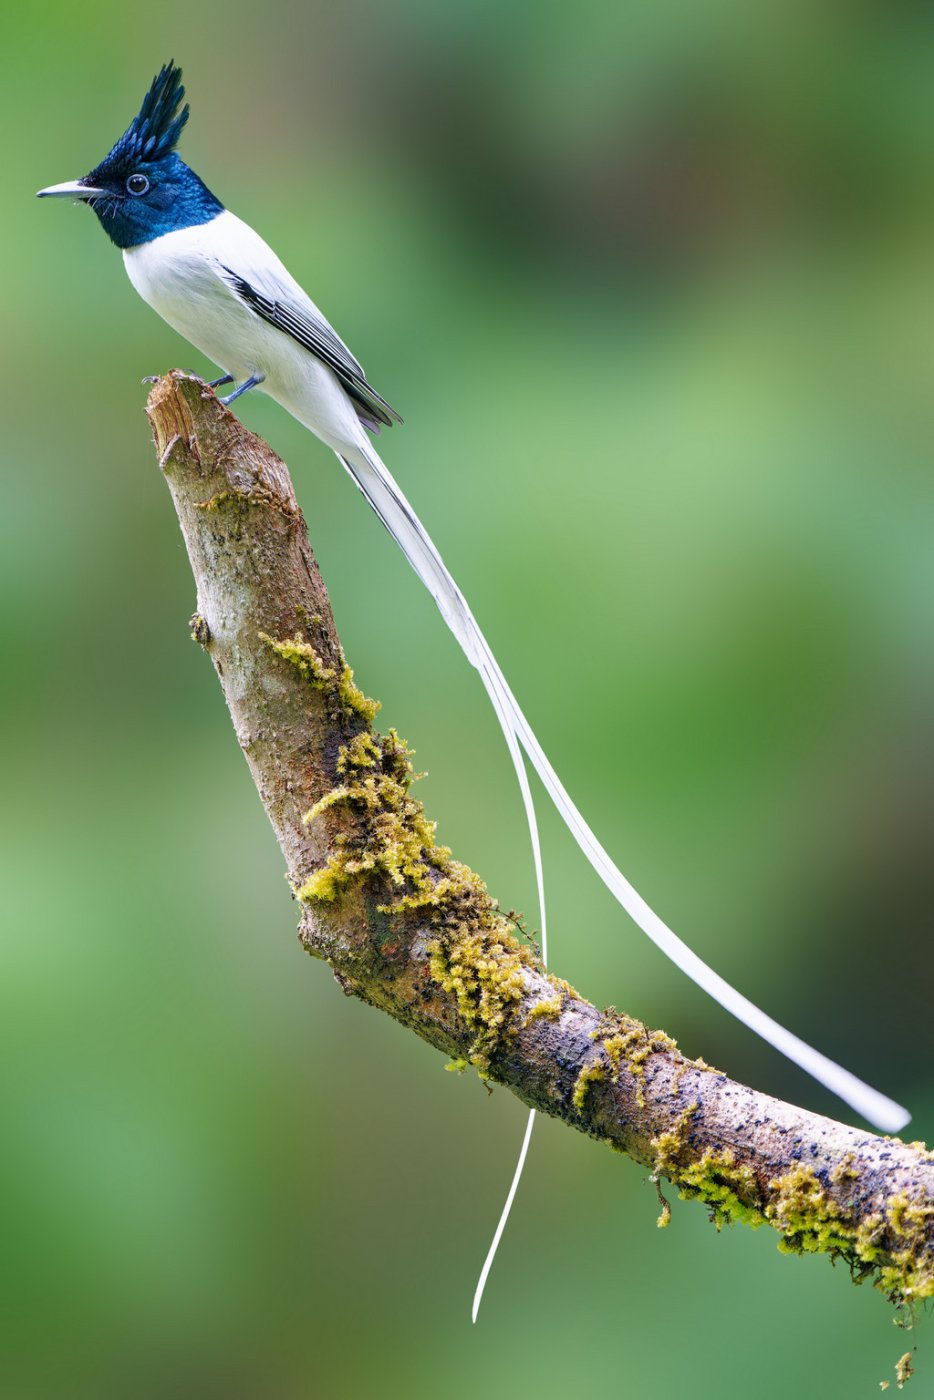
320,339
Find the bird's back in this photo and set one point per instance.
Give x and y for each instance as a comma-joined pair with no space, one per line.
187,277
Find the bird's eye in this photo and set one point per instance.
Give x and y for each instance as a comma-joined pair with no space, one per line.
137,184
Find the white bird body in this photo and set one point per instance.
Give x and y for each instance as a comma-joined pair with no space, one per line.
181,275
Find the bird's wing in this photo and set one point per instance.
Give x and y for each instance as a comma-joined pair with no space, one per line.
304,323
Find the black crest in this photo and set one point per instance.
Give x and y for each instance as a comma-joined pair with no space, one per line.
154,131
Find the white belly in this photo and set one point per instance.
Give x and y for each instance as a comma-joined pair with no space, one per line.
179,275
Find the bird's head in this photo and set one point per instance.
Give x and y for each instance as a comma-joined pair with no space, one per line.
142,188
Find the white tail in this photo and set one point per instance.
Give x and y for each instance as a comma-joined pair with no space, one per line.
375,481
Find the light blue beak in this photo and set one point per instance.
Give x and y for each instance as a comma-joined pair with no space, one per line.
71,189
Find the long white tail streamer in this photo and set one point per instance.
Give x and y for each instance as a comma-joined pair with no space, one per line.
523,777
376,483
491,1252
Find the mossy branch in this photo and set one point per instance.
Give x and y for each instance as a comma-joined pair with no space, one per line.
408,929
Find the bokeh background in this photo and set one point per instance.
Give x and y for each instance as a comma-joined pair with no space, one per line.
653,287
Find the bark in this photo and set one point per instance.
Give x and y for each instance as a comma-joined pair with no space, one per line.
408,929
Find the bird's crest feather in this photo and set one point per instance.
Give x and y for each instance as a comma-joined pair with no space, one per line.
154,131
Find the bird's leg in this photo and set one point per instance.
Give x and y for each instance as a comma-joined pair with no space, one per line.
250,383
224,379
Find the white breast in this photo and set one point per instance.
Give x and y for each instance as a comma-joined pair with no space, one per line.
181,275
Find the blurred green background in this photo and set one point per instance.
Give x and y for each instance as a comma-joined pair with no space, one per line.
653,287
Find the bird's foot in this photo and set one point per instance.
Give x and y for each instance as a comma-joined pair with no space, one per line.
224,379
250,383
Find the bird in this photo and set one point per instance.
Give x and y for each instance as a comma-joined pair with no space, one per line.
221,286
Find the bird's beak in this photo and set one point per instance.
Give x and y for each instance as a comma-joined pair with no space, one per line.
71,189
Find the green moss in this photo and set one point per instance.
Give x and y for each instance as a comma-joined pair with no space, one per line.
622,1038
671,1146
808,1218
549,1008
338,794
907,1275
702,1065
906,1217
483,969
354,698
727,1186
303,656
895,1246
363,751
560,985
635,1044
477,960
591,1073
324,885
845,1171
396,840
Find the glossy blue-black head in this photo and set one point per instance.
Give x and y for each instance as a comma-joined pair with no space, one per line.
142,188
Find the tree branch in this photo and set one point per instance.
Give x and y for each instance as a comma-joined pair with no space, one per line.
410,930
